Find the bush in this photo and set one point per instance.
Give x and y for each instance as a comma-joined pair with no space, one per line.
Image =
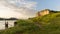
23,27
50,25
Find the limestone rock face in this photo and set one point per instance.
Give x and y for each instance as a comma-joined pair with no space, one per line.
43,12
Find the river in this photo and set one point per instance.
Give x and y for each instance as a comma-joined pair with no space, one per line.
10,24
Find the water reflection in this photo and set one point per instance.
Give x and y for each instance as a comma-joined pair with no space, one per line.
10,24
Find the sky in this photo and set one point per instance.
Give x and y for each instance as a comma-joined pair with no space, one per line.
26,8
48,4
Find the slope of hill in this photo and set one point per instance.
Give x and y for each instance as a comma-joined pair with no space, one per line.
48,24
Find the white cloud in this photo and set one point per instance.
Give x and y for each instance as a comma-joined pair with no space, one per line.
22,3
18,8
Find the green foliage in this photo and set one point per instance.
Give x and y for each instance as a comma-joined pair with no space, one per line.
23,27
50,24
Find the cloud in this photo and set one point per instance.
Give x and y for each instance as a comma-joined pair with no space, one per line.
22,3
22,8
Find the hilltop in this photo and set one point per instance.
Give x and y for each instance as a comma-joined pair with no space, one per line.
46,11
47,24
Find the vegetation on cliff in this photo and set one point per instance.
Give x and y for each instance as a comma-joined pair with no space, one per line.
48,24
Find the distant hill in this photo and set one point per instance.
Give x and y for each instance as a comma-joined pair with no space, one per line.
8,19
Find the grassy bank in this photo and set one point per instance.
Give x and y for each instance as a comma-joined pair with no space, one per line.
48,24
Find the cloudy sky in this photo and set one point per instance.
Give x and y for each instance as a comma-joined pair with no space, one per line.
26,8
17,8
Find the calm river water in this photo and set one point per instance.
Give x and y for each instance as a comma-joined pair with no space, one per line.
10,24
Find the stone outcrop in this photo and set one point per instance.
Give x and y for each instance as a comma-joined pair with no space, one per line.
43,12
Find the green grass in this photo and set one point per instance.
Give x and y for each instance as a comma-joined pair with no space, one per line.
50,24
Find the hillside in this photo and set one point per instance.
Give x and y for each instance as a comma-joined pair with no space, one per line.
45,12
48,24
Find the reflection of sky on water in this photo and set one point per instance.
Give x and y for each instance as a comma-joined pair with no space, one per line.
2,24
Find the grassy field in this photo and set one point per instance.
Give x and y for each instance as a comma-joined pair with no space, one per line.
48,24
